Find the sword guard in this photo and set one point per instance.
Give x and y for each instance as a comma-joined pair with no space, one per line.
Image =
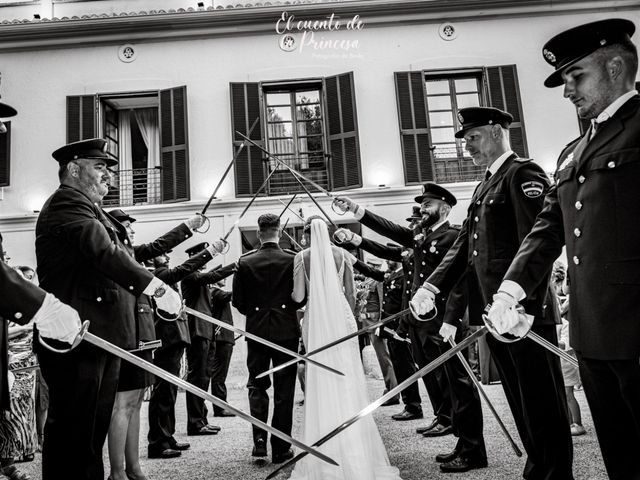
423,318
205,226
76,341
524,325
167,318
336,210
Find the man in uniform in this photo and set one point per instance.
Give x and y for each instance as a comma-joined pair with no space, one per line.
262,289
502,211
225,340
82,260
593,210
201,349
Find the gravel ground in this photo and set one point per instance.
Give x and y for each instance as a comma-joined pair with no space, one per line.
228,454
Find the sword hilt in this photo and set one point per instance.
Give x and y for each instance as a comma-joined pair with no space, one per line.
206,223
74,344
506,337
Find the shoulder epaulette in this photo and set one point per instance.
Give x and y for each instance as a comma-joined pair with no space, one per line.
523,160
249,252
288,250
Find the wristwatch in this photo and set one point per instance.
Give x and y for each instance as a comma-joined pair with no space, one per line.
160,291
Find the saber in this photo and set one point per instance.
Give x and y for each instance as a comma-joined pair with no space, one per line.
226,172
295,173
391,393
258,339
158,372
552,348
286,206
292,240
292,211
338,341
25,369
306,190
475,381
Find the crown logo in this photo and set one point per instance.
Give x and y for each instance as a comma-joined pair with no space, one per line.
549,55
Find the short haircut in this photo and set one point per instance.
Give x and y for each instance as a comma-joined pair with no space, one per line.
627,50
268,223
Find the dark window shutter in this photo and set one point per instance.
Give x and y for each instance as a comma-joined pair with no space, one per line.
81,117
5,156
503,93
342,126
250,169
414,127
174,152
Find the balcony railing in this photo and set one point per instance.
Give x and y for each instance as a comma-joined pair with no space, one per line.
283,182
139,186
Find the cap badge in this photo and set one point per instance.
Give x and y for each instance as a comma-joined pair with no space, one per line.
549,55
603,41
460,118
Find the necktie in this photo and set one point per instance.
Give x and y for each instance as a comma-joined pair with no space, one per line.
593,130
487,175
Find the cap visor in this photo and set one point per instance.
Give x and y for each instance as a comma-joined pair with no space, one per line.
7,111
459,133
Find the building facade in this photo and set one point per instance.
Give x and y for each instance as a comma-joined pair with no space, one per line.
359,96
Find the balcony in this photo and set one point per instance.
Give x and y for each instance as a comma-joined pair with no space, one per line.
139,186
282,182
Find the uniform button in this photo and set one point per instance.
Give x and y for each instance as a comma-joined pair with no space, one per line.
581,179
576,260
578,205
257,308
421,275
18,315
284,306
424,251
410,272
577,232
478,202
476,219
99,299
130,287
424,263
141,310
475,253
408,282
475,236
491,201
611,164
126,242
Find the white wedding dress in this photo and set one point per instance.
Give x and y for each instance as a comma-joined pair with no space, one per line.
331,399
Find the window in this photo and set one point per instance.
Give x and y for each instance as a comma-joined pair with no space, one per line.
147,133
428,104
308,124
5,156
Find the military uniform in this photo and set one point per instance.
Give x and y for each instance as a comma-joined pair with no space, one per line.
82,260
501,213
200,352
175,337
225,340
262,289
593,210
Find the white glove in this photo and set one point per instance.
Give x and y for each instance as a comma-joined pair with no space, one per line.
57,320
195,222
216,247
448,332
503,314
167,299
423,301
523,326
345,204
344,235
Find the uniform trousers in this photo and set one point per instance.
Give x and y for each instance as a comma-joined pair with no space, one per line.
425,343
82,390
199,360
219,371
382,353
404,366
612,388
162,404
259,359
534,387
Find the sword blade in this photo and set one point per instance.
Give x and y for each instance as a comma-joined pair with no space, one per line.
391,393
292,211
478,385
551,347
258,339
286,206
306,190
226,172
338,341
158,372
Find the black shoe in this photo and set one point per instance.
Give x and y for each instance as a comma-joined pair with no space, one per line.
446,457
406,415
438,431
391,401
179,445
421,430
166,453
205,430
259,448
461,464
223,413
282,457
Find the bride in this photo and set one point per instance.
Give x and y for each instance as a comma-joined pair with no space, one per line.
326,273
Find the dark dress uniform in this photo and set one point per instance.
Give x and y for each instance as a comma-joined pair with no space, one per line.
262,289
225,340
19,302
501,213
175,337
82,260
395,300
200,351
593,210
132,377
428,249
